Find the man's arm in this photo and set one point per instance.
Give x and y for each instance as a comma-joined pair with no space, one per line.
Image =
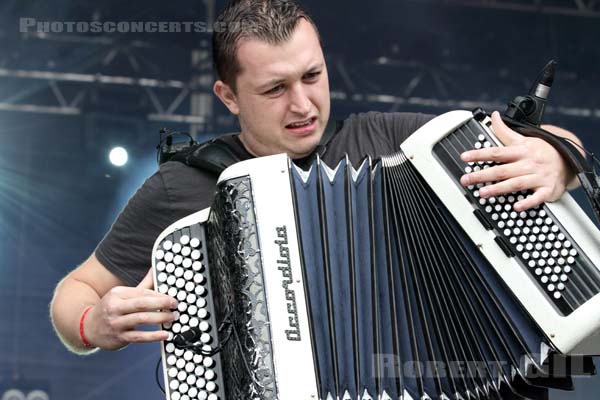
527,164
116,310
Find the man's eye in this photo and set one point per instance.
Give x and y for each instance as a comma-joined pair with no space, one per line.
312,75
274,90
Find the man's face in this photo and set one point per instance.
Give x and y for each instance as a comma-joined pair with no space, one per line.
282,97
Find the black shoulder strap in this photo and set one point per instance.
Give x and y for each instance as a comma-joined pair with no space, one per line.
216,154
212,156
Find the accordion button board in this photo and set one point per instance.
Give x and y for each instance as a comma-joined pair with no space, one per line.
191,370
534,237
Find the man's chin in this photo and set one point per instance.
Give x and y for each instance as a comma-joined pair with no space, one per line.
300,150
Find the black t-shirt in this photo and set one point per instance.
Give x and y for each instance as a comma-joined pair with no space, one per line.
177,190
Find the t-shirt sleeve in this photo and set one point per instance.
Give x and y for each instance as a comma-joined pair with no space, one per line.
372,133
172,193
399,126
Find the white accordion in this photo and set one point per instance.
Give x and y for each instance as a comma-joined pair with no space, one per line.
385,280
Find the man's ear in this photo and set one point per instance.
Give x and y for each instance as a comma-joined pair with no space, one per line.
227,96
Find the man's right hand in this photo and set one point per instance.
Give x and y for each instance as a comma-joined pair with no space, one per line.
113,322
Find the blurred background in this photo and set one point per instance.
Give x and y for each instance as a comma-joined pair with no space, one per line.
68,98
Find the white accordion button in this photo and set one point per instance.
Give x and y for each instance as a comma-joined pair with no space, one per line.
194,242
184,239
204,326
181,376
208,362
176,328
573,252
209,375
189,286
205,338
189,367
547,270
197,266
557,295
200,290
176,248
557,270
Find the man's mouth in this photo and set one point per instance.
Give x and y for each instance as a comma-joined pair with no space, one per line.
301,124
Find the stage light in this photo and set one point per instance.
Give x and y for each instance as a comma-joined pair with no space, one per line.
118,156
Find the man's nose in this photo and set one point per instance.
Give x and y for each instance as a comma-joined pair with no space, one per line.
299,101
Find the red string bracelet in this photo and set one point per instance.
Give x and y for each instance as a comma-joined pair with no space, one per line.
81,331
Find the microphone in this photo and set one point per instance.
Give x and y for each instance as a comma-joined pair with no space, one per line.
529,109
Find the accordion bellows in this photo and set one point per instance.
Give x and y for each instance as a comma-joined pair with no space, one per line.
386,280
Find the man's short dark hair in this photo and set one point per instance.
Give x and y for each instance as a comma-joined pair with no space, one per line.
272,21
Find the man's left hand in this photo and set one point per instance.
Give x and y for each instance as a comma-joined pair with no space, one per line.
527,163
